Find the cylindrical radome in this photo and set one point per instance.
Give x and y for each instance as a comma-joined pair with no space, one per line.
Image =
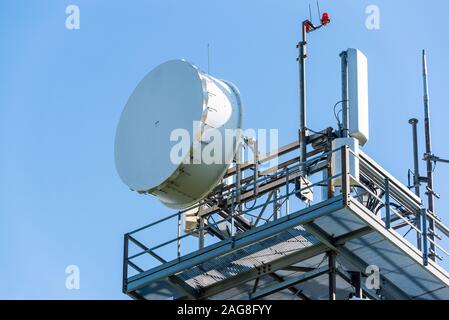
177,134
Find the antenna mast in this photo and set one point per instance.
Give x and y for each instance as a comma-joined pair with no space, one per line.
307,26
302,95
428,155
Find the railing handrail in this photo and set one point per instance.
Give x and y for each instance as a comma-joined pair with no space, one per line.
393,190
234,190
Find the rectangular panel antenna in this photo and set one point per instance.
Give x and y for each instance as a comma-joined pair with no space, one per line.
358,95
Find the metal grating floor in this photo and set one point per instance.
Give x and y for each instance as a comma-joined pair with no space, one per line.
250,257
227,272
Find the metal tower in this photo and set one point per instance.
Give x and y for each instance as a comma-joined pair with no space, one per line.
305,228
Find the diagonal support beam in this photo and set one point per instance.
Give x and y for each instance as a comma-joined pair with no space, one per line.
292,289
352,258
239,241
288,283
191,294
278,264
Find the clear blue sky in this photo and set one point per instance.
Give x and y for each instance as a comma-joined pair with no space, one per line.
62,91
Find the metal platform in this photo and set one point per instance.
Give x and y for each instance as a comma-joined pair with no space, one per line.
320,251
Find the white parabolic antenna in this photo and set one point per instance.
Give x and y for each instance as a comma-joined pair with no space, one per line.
175,95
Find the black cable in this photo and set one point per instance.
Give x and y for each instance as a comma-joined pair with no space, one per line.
408,232
253,205
336,114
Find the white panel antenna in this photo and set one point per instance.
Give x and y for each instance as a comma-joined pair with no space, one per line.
358,95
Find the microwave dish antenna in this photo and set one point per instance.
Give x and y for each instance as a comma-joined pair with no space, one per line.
174,101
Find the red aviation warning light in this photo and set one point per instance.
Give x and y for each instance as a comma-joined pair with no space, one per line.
309,26
325,20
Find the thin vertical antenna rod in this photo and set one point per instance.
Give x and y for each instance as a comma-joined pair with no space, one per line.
416,174
430,192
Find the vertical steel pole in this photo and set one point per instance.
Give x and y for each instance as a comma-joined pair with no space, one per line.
303,98
387,204
356,279
287,192
256,166
201,233
233,206
424,236
430,194
344,94
179,234
275,204
332,275
238,176
330,182
416,174
345,180
125,263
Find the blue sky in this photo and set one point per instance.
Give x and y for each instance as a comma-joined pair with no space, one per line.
62,92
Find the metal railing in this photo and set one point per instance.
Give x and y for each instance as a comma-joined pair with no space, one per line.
283,179
400,208
385,198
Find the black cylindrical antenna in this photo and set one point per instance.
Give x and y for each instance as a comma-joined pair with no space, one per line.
416,174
